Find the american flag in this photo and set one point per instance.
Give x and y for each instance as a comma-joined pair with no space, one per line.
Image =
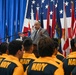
41,6
37,4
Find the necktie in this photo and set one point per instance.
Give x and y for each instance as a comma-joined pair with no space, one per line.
35,34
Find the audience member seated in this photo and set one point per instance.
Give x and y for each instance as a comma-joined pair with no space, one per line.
45,64
4,51
70,62
11,65
28,56
58,55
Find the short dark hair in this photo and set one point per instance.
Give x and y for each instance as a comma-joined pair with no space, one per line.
14,46
27,43
55,42
73,42
46,46
3,47
55,39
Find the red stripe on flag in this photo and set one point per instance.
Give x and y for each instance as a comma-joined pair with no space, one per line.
66,45
69,32
29,29
53,21
25,29
72,14
74,30
37,18
48,21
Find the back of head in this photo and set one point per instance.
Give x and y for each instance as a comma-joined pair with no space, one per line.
27,43
14,46
55,42
46,47
55,39
73,44
3,47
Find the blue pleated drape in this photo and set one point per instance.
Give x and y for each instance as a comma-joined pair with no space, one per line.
12,14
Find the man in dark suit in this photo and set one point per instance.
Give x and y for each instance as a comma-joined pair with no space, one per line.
38,32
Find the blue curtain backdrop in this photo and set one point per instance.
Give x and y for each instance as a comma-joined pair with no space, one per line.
11,18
